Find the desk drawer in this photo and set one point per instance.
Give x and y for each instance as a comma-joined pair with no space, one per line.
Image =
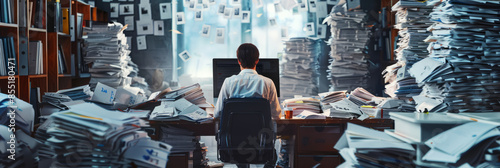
318,161
318,138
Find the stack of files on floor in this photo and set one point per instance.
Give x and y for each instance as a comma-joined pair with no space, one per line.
87,135
348,67
461,71
412,21
181,140
7,54
76,93
20,151
298,105
365,147
7,11
106,48
181,109
35,58
472,144
298,67
192,93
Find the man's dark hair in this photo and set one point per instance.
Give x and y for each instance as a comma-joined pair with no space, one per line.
247,54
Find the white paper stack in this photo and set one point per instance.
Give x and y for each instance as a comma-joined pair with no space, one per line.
180,109
302,104
298,67
192,93
87,135
461,72
181,140
412,17
107,49
365,147
17,148
348,67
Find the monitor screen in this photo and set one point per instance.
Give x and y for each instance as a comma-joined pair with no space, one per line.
226,67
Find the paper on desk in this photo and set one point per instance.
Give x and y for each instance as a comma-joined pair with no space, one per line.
104,94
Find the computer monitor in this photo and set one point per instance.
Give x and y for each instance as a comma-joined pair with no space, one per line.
226,67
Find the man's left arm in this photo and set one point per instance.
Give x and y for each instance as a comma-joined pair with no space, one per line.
275,104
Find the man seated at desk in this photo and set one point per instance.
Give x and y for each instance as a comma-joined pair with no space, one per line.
249,84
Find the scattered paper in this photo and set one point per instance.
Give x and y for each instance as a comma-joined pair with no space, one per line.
141,43
159,27
113,10
144,27
185,56
228,12
180,18
236,12
198,15
145,11
310,29
245,16
127,9
220,35
321,31
221,9
129,20
205,31
165,11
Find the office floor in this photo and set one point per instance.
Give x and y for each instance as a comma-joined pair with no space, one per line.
212,152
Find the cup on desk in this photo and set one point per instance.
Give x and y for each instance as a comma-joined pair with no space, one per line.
288,113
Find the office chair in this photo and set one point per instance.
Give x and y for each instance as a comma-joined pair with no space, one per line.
246,134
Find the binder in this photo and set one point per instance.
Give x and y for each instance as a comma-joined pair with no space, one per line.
23,55
65,20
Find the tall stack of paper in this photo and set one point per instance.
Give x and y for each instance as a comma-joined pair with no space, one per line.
88,135
412,21
298,105
364,147
298,67
192,93
348,67
107,49
180,139
460,74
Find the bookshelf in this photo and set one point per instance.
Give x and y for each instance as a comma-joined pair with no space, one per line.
53,44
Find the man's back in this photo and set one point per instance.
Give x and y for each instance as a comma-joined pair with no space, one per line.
249,84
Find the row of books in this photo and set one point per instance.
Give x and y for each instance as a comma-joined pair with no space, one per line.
7,9
7,54
35,57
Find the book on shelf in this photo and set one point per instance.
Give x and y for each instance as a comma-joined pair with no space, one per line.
35,56
54,16
65,20
8,54
7,10
37,14
62,61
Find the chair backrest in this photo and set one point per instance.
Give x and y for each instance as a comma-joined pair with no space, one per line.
246,132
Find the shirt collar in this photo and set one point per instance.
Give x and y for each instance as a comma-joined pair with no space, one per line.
248,71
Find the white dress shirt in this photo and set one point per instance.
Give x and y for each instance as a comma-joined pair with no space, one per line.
248,84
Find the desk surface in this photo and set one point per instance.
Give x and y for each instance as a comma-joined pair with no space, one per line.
284,126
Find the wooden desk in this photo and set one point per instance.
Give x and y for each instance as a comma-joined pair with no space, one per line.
310,141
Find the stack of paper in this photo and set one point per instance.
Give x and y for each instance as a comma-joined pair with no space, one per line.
460,73
360,96
180,109
332,97
18,112
364,147
298,67
76,93
180,139
192,93
107,49
469,143
348,67
412,21
99,137
301,104
17,148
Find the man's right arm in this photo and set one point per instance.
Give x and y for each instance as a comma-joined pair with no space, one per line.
223,95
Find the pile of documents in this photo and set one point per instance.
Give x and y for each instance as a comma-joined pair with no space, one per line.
181,140
299,68
348,67
298,105
364,147
17,149
88,135
76,93
180,109
460,74
412,18
192,93
332,97
107,49
17,110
